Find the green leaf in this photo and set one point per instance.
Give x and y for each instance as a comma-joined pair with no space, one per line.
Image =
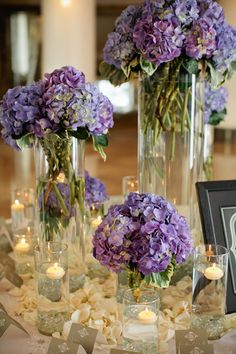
25,141
111,73
191,66
216,77
147,66
162,279
101,139
217,117
99,147
81,133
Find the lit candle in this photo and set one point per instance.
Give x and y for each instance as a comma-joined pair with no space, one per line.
22,246
209,252
55,272
213,272
61,177
17,215
17,206
147,316
96,222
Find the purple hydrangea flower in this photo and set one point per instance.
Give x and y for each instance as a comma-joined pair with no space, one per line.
201,39
126,21
215,101
62,101
144,233
119,49
186,11
158,41
67,75
21,106
95,190
225,52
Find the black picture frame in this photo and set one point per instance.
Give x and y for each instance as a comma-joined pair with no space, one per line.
217,207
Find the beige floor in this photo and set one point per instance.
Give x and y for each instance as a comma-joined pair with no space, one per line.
17,168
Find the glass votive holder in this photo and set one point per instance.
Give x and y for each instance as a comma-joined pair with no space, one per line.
210,264
22,208
129,184
140,321
52,286
23,252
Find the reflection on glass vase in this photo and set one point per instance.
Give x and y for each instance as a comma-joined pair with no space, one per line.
170,140
209,131
59,163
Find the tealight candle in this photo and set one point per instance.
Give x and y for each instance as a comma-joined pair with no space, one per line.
96,222
147,316
22,246
55,272
213,272
17,206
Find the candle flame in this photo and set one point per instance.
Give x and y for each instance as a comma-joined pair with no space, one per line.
17,202
214,265
146,309
56,265
23,240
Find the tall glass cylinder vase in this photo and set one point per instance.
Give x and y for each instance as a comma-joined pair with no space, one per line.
170,140
209,132
59,163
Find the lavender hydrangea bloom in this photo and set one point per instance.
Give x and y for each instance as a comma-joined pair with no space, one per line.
158,41
145,232
215,101
67,75
21,105
95,190
186,11
126,21
225,52
201,39
119,49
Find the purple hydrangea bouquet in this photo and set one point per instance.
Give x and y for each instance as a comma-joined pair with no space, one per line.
54,114
145,236
95,191
173,46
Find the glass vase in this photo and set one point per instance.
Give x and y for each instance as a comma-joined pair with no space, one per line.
209,132
140,320
170,140
59,163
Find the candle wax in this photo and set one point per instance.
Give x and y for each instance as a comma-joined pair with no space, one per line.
213,272
55,272
22,246
147,316
17,206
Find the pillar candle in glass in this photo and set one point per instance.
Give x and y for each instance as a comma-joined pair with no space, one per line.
23,252
140,321
210,264
17,214
52,286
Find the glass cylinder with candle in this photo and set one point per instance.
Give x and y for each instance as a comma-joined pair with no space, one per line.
140,320
129,184
23,252
22,208
52,286
209,288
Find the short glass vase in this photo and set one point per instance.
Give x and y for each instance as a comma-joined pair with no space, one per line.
52,286
140,320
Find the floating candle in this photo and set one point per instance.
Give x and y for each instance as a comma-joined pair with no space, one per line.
96,222
22,246
147,316
213,272
55,272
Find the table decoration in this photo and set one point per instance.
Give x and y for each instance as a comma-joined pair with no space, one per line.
57,114
146,236
120,351
210,265
7,270
57,346
129,184
172,46
23,252
52,286
22,208
83,335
